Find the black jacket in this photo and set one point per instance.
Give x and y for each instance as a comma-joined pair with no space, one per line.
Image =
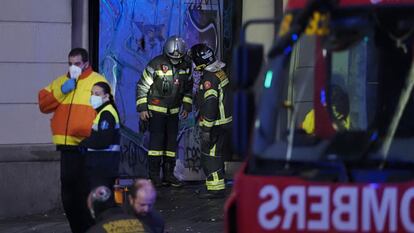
106,131
114,220
153,220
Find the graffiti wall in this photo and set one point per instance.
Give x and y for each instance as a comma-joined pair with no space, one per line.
131,32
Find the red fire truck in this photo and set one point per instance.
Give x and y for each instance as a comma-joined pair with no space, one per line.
331,142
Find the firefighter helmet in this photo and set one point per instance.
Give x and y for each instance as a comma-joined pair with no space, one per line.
202,56
175,48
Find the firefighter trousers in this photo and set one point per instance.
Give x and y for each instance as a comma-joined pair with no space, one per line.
163,130
212,158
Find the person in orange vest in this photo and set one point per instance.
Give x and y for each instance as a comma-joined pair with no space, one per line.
68,98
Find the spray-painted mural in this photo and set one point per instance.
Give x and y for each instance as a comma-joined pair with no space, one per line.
134,31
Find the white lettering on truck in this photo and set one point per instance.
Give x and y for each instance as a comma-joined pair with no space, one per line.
325,208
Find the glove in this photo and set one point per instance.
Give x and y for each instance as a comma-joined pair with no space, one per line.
143,126
68,86
205,136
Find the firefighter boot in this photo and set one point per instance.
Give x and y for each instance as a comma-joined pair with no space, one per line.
213,167
210,194
154,170
168,172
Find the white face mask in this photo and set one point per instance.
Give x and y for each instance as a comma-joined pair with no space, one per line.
96,101
74,71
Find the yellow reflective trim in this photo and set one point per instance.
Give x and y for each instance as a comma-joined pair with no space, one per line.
157,108
200,67
210,92
70,140
174,110
170,153
142,101
224,82
215,184
109,108
210,124
161,73
147,78
223,121
215,176
213,153
183,72
123,225
347,123
221,105
188,100
216,187
155,152
207,123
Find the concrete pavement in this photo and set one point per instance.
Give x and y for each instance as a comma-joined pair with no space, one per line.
181,209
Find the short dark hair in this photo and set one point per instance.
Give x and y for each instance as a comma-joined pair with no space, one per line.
79,51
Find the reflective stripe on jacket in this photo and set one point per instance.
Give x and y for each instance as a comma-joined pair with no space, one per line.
164,87
214,101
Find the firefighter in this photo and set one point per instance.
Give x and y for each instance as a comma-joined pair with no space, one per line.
214,118
340,112
165,86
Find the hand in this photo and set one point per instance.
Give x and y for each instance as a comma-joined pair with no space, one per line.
68,86
144,115
184,114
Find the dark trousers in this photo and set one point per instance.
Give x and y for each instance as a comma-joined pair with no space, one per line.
75,190
212,158
163,130
101,168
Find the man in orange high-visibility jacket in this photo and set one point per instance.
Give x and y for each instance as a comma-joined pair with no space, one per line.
67,97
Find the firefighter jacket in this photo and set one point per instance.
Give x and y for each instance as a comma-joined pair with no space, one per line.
73,114
105,130
163,87
213,100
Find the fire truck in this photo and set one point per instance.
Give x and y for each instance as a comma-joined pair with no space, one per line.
329,140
